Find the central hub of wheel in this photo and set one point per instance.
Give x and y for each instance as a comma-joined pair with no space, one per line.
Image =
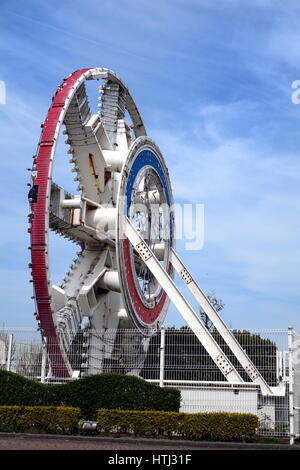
145,197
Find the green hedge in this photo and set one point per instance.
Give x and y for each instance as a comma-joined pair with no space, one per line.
108,390
18,390
196,426
48,419
116,391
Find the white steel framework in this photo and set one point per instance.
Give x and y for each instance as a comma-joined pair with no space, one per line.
122,219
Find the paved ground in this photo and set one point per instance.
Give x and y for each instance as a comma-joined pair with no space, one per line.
51,442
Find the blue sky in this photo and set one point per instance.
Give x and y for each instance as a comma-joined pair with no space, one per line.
212,81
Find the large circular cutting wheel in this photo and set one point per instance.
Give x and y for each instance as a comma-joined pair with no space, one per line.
120,173
145,197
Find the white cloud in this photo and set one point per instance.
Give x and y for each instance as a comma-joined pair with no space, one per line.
251,194
219,74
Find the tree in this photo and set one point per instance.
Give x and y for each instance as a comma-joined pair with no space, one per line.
28,360
218,306
187,359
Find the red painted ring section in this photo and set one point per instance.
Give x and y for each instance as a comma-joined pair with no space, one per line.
147,315
38,227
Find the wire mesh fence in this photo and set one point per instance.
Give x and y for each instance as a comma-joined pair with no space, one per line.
295,382
172,358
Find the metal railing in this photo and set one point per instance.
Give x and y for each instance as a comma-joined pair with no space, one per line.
176,358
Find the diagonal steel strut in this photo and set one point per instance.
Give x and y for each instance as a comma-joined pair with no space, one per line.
192,319
181,304
226,334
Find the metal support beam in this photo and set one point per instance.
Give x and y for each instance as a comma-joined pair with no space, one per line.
204,336
226,334
291,386
162,357
44,361
192,319
9,352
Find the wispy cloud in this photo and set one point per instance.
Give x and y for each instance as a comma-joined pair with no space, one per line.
251,193
212,80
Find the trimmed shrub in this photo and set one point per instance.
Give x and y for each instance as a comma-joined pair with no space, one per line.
18,390
108,390
219,426
153,423
195,426
115,391
48,419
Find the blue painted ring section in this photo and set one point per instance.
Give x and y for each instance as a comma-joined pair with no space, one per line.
147,158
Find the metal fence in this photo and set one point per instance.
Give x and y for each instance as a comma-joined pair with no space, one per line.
294,392
174,358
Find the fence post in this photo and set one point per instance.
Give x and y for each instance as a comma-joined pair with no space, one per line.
291,386
8,362
162,357
44,361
